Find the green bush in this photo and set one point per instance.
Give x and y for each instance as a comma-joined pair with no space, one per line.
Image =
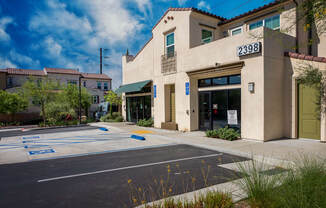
228,133
212,133
118,119
115,115
145,123
223,133
106,118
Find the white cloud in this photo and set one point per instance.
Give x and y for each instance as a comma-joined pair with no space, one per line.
5,63
204,5
23,60
53,47
182,2
4,22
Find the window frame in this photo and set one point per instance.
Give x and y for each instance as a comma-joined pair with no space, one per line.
236,28
105,85
99,85
167,46
210,38
211,83
84,83
96,99
10,82
264,22
72,82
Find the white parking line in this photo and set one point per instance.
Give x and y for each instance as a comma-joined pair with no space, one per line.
128,167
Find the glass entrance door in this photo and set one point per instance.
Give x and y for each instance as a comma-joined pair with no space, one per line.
204,111
214,106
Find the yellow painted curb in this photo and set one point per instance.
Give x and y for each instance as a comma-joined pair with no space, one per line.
142,132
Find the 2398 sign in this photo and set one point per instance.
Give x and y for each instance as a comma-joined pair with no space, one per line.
249,49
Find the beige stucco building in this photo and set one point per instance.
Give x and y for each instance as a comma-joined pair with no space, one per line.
11,79
201,71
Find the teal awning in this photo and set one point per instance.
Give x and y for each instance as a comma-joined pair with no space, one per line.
134,87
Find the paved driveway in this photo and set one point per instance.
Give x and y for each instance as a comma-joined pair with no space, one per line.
101,180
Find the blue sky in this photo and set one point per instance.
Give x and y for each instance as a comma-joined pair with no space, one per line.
68,33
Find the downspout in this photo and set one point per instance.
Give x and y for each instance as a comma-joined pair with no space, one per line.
296,27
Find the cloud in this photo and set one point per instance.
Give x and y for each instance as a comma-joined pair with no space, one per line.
203,5
5,63
182,2
23,60
4,22
53,47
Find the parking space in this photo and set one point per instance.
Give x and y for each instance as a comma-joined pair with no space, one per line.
63,143
114,179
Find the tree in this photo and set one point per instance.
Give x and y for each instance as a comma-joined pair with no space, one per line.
41,92
113,98
70,94
12,103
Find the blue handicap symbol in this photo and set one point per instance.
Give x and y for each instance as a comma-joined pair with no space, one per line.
38,152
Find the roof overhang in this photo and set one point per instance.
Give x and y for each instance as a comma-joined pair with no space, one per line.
218,70
133,87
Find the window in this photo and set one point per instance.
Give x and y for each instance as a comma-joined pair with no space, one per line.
96,99
170,45
256,25
220,81
204,82
105,86
236,31
206,36
72,82
273,22
9,82
99,85
84,83
235,79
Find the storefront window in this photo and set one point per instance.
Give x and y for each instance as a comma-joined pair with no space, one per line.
220,81
204,82
235,79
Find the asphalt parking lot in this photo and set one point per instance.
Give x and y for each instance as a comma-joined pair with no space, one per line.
101,180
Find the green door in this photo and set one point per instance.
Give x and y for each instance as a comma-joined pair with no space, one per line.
309,123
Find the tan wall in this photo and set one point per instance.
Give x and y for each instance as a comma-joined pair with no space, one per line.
322,45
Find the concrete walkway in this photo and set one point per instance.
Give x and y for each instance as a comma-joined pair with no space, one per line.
277,152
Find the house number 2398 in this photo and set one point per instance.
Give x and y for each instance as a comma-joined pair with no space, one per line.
249,49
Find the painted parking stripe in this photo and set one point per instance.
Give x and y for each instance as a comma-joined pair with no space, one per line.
31,137
128,167
39,152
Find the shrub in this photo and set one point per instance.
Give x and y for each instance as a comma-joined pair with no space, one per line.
115,115
212,133
228,133
106,118
118,119
145,123
223,133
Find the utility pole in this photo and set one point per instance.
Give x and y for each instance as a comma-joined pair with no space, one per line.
100,60
79,100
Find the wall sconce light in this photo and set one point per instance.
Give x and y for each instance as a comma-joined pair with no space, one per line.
251,87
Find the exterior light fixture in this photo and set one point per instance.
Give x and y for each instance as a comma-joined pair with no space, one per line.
251,87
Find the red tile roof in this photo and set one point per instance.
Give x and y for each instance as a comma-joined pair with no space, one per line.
61,71
95,76
305,57
31,72
276,2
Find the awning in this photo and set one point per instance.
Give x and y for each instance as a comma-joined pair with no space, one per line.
134,87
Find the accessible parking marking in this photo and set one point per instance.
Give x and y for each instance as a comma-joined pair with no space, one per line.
38,152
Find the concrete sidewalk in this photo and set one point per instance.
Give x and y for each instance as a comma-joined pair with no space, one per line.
274,152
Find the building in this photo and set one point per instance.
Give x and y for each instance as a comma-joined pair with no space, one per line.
201,71
97,84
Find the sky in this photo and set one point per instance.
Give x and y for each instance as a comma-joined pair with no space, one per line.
69,33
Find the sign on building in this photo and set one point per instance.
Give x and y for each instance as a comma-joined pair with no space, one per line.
154,91
232,117
187,88
249,49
